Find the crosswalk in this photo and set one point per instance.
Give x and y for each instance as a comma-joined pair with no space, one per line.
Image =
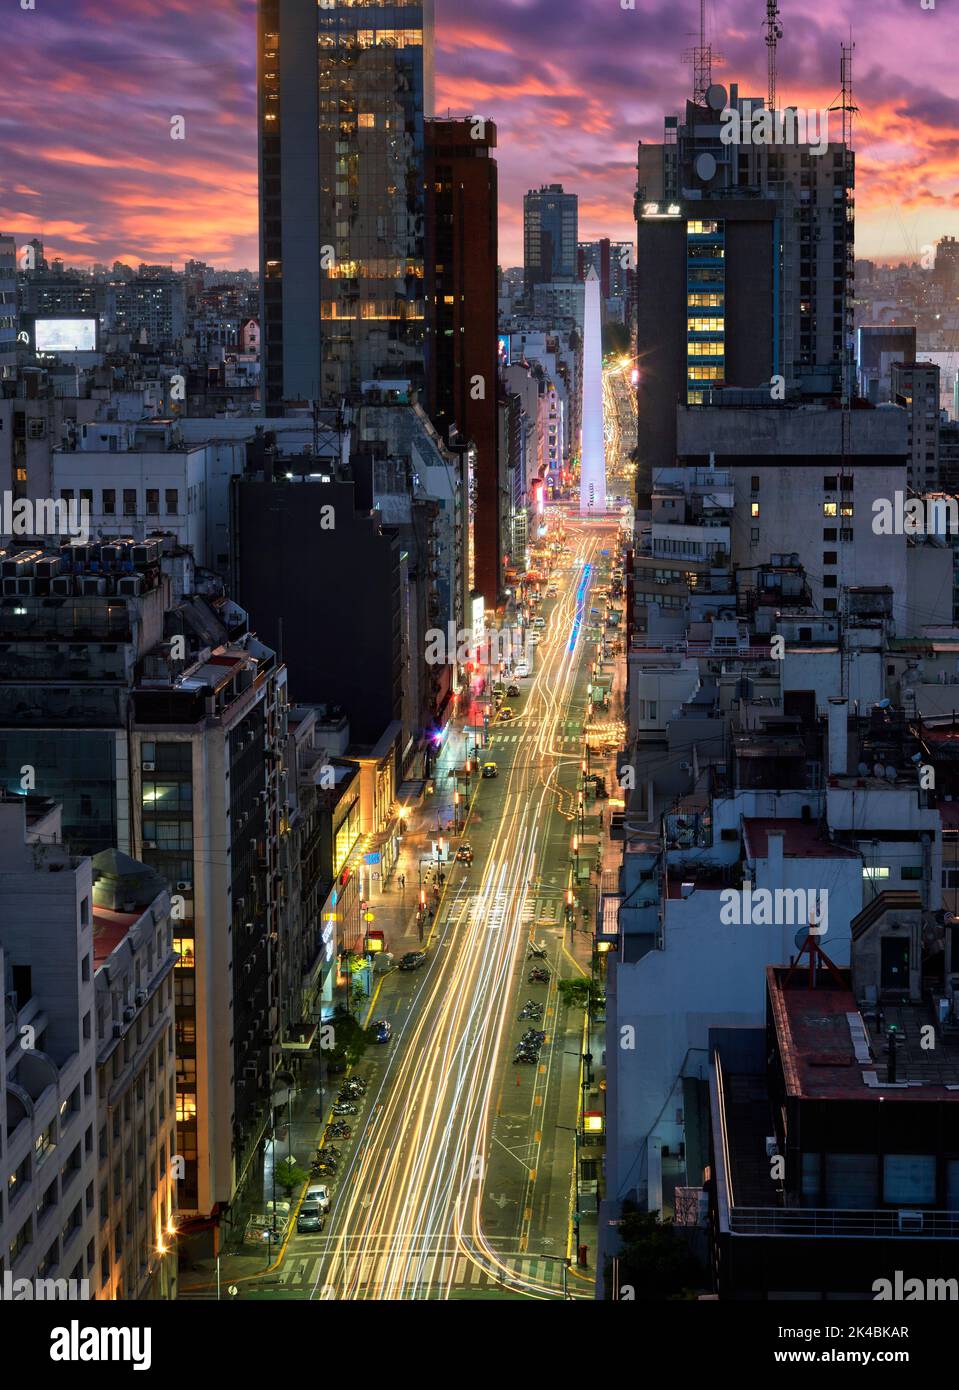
541,909
564,740
429,1273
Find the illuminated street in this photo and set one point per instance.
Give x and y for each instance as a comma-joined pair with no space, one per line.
460,1178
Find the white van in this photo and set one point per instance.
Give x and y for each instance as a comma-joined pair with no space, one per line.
521,671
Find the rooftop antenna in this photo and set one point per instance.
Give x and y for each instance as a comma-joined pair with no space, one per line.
774,32
702,58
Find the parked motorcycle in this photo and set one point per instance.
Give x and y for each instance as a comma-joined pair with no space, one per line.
528,1058
536,951
345,1107
539,976
533,1035
354,1083
339,1130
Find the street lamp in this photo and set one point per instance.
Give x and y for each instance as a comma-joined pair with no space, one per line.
456,813
576,854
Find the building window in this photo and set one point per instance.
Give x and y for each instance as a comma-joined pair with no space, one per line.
754,483
830,509
909,1180
754,509
129,501
829,581
829,557
829,533
109,501
172,501
20,1242
875,872
829,484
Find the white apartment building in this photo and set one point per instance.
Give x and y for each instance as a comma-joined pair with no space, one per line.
48,1109
141,479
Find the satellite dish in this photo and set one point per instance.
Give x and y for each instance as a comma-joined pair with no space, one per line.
716,97
884,704
878,770
862,769
705,167
891,774
801,936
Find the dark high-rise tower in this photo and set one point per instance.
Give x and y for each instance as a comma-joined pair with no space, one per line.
343,91
744,263
461,286
550,230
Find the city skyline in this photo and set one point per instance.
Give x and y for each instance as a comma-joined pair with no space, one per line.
100,179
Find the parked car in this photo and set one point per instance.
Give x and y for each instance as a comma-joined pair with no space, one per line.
382,1030
539,622
490,770
464,853
506,714
522,671
513,691
309,1219
318,1192
412,961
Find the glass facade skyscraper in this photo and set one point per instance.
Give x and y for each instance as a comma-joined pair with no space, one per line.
344,88
550,236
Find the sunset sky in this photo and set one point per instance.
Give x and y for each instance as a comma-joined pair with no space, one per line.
86,159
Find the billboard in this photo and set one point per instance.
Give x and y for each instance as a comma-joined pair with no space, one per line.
65,335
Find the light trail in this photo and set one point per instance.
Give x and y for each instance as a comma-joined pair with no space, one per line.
416,1180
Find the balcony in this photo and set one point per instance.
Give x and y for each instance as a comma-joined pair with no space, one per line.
843,1223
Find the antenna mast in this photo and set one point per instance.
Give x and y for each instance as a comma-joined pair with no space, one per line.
848,108
702,58
774,32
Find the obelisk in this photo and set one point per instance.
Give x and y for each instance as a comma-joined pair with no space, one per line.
592,477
